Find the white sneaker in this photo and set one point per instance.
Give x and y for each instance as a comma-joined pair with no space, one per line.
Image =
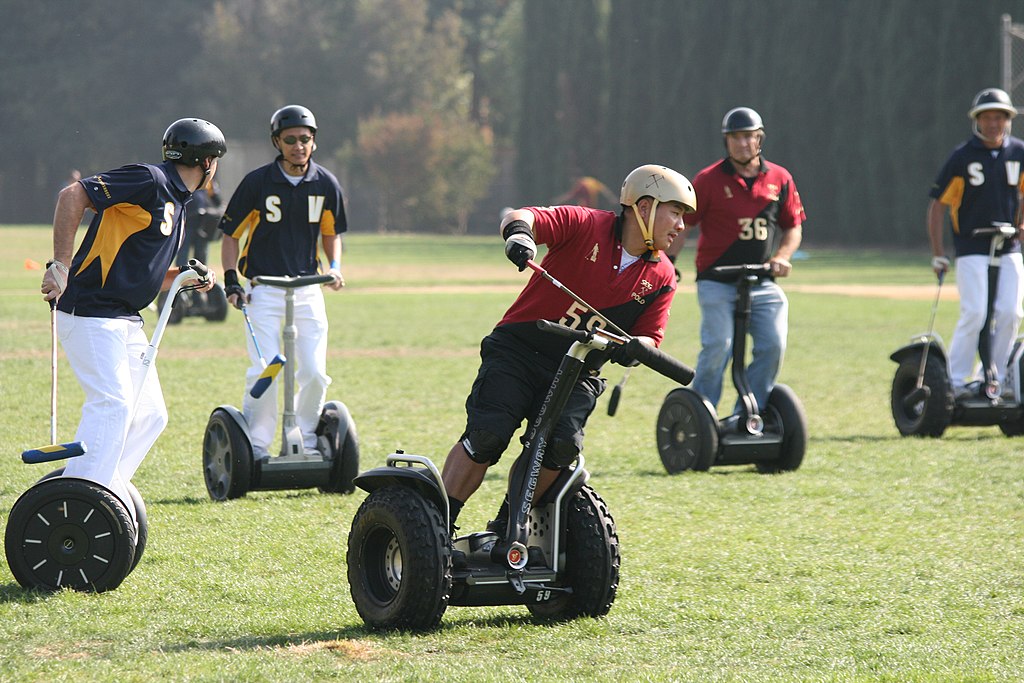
260,453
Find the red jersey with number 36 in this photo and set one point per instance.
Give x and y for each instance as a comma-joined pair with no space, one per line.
584,254
741,225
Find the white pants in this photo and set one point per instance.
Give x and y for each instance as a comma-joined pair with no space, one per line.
267,314
106,356
972,282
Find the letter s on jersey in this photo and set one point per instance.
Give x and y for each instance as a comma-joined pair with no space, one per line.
975,174
273,209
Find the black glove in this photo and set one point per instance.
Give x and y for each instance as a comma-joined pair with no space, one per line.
625,354
232,287
520,248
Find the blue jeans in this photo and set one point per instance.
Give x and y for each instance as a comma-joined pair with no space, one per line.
769,324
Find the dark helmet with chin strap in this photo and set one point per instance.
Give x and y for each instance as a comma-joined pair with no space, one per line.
289,117
741,119
191,141
991,99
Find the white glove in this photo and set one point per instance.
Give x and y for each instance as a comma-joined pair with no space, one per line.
58,273
940,264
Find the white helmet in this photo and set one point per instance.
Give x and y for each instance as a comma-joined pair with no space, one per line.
660,183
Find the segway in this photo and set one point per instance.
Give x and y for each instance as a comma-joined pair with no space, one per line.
66,532
689,434
558,555
229,466
922,399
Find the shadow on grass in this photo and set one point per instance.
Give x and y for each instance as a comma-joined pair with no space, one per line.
353,633
13,592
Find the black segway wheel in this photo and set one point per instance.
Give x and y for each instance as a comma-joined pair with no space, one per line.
142,532
591,574
227,458
141,518
336,425
69,533
929,416
785,413
216,308
399,561
687,435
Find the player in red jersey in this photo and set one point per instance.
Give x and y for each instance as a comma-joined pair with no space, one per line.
749,212
612,261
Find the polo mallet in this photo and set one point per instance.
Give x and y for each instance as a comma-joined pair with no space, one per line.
922,392
613,401
55,451
270,369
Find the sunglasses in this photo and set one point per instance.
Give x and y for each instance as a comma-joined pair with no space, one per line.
292,139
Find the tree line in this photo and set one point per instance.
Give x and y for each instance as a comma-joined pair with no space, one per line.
437,113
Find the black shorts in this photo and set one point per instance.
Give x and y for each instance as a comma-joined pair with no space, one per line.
511,386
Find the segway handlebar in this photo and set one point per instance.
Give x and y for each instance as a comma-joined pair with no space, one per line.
743,269
1003,230
289,282
645,354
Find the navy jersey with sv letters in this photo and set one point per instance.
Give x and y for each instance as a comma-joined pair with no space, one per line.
981,186
281,223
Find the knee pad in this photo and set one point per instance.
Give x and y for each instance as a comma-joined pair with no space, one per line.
560,454
483,447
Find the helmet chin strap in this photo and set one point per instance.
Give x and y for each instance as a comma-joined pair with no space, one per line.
1006,131
647,230
302,169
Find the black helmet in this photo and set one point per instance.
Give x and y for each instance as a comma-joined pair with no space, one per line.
741,119
190,141
989,99
289,117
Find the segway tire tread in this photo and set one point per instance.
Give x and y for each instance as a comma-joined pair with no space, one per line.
930,417
786,410
399,561
591,562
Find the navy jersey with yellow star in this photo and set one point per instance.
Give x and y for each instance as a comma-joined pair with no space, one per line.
120,266
281,222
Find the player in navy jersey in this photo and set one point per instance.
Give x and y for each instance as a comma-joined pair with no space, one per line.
284,211
749,212
611,261
980,184
122,264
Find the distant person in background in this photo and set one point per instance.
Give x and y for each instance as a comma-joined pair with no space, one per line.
586,191
201,218
284,211
748,212
980,184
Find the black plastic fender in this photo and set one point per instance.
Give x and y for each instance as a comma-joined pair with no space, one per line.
415,478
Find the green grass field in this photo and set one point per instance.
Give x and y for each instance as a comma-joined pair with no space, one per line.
881,559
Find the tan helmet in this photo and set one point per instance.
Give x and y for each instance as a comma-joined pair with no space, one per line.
660,183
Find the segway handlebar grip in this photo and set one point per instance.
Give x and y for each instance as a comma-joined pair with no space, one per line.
663,364
199,267
562,330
